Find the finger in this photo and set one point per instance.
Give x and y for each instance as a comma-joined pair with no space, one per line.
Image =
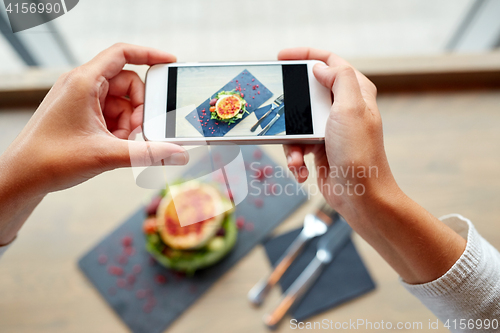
110,62
136,117
331,59
295,160
344,85
126,153
117,114
127,83
307,53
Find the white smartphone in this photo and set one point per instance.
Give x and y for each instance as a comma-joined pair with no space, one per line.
235,102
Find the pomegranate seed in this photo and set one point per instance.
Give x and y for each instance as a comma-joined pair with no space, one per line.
136,269
253,97
147,308
115,270
160,279
253,80
240,222
257,154
129,251
253,87
141,293
179,275
242,95
121,283
258,92
152,261
127,241
103,259
259,203
131,279
151,301
249,226
257,85
122,260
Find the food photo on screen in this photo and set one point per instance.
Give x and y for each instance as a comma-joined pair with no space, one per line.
229,101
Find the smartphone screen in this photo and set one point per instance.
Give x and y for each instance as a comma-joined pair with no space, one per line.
234,100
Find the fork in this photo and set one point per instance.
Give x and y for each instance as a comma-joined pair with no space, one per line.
314,225
275,104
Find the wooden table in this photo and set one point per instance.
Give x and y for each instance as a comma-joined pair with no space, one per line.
444,149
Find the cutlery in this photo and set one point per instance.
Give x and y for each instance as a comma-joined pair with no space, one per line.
274,105
329,246
313,226
275,119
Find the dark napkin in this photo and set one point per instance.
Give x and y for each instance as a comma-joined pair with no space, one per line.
255,93
345,278
279,125
149,297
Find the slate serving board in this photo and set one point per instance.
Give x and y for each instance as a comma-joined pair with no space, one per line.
254,96
148,297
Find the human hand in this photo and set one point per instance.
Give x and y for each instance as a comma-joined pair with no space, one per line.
81,127
353,137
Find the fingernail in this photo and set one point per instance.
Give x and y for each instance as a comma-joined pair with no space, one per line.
322,65
289,159
177,159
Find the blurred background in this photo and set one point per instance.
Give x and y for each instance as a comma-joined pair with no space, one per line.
256,30
437,68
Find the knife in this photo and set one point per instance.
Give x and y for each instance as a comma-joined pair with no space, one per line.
314,226
329,246
274,105
281,109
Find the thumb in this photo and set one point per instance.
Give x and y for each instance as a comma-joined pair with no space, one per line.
145,153
344,84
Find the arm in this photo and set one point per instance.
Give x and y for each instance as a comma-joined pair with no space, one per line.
79,131
415,243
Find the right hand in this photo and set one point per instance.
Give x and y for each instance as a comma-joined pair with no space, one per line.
353,137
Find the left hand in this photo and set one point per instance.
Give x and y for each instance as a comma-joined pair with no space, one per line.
81,128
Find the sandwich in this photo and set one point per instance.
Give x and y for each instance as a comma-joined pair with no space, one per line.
191,227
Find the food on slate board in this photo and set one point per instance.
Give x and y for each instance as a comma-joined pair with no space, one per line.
203,240
228,106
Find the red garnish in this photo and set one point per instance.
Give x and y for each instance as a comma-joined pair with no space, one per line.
253,80
249,226
103,259
129,251
122,260
253,97
115,270
257,85
137,269
258,92
240,222
121,283
131,279
160,279
141,293
127,241
257,154
259,202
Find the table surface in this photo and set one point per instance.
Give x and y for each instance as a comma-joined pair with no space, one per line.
444,150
